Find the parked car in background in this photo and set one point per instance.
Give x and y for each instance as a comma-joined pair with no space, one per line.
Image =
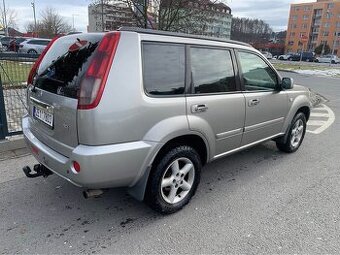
5,41
267,54
284,57
306,56
332,59
88,92
33,46
15,43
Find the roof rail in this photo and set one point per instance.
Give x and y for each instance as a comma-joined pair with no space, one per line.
175,34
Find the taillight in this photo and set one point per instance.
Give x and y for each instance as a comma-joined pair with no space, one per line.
93,83
37,63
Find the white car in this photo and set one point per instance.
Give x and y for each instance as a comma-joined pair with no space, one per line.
267,54
284,57
333,59
33,46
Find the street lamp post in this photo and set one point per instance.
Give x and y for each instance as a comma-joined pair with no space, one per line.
5,18
335,40
35,19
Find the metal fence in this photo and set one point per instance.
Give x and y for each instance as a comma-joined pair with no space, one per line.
14,70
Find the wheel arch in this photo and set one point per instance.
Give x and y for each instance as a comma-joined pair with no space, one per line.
194,140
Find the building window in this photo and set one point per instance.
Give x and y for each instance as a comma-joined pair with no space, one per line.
163,68
327,24
325,33
302,35
292,34
305,17
307,8
318,12
329,15
295,17
304,26
338,25
291,43
330,5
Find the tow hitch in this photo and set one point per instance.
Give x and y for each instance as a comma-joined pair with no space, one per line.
39,170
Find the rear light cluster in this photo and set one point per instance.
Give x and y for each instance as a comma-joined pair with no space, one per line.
94,80
38,62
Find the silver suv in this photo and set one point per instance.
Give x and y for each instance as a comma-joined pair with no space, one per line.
146,110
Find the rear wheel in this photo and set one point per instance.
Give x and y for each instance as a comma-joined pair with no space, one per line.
296,134
333,62
173,180
32,52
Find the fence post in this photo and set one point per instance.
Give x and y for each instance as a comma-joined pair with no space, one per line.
3,118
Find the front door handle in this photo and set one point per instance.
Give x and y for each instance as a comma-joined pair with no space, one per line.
254,102
199,108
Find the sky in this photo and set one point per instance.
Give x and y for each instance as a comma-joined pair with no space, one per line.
274,12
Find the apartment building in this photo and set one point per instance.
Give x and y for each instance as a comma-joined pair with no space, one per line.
313,24
109,16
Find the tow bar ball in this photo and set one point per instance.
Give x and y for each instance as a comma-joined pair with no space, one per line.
38,170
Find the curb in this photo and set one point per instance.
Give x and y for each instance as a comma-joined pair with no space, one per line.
13,144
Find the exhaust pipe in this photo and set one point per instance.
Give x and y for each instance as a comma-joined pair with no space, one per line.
90,193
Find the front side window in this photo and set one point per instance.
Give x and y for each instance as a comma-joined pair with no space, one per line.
212,71
257,75
163,68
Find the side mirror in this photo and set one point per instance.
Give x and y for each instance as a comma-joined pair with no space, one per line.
287,83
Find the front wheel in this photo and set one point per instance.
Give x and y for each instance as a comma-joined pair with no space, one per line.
173,180
296,134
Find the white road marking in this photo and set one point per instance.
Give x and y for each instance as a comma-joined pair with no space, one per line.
316,114
316,123
323,124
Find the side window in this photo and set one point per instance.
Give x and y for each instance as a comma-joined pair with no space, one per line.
44,42
257,75
212,70
163,68
32,42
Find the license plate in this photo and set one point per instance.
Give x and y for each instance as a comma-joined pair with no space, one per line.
43,116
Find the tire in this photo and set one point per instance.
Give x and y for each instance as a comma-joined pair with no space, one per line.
32,52
295,136
332,62
290,59
180,180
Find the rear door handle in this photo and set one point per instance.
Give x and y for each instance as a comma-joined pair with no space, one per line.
199,108
254,102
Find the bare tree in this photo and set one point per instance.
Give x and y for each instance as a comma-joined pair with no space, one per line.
250,30
11,17
50,24
189,16
53,24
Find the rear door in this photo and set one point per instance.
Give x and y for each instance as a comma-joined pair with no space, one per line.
215,105
266,106
52,98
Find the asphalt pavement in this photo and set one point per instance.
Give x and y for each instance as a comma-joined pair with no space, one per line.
257,201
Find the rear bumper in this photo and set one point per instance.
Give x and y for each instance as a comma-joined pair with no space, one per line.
107,166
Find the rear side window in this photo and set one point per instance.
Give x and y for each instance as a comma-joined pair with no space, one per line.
163,68
212,71
65,63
